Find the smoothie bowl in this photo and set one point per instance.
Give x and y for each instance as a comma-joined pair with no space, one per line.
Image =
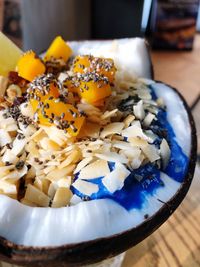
95,155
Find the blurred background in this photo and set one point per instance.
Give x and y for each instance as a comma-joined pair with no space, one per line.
34,23
171,28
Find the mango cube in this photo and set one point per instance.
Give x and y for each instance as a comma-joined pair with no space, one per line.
30,66
58,50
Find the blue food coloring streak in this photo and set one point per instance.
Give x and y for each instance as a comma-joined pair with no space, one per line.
144,181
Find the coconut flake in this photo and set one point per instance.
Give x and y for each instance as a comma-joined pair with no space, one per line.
135,131
115,180
9,157
95,169
85,188
62,76
135,163
148,119
165,152
151,152
108,114
82,164
27,130
112,128
3,85
16,174
112,157
144,93
62,197
56,135
139,110
65,182
4,138
27,110
8,188
75,200
36,196
131,152
128,120
18,145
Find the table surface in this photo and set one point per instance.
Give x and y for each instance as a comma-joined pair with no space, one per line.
177,242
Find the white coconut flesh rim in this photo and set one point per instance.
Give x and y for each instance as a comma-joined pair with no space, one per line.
86,221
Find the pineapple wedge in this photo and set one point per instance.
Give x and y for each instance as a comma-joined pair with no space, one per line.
9,55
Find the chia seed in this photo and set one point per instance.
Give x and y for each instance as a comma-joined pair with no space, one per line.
19,165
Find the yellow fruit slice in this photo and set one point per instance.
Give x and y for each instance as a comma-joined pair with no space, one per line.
9,55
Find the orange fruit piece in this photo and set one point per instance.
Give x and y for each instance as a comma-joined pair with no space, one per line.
58,49
54,112
93,91
102,66
30,66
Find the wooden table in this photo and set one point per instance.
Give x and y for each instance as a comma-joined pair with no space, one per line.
180,69
177,242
